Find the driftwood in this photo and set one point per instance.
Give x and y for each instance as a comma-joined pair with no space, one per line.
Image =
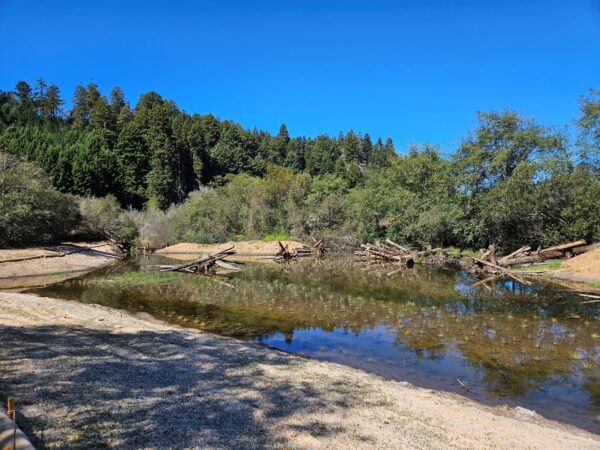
514,254
201,265
524,255
494,267
317,250
122,245
485,264
382,252
398,246
225,265
58,255
488,263
532,258
584,249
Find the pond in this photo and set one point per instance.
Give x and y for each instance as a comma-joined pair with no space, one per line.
536,346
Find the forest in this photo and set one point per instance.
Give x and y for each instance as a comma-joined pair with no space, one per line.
157,172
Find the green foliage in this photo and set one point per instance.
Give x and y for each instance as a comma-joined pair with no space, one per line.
589,130
104,215
31,211
510,182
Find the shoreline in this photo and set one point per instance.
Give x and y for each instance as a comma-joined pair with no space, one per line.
89,358
38,266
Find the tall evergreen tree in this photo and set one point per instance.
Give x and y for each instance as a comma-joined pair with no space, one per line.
366,149
25,113
351,149
80,112
52,104
279,146
295,156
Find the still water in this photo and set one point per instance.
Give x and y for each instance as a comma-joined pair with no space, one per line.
536,346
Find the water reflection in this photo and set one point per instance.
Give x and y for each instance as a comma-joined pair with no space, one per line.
536,346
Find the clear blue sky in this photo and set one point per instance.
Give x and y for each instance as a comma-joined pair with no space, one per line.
413,70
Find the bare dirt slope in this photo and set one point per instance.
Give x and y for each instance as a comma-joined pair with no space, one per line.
188,251
16,271
584,268
93,377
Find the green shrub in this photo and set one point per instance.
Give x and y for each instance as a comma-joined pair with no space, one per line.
31,210
104,215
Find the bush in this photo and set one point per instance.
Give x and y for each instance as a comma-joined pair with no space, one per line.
102,215
31,211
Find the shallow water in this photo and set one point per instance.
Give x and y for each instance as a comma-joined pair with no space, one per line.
535,346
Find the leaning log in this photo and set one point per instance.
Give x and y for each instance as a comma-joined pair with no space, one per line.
495,267
398,246
514,254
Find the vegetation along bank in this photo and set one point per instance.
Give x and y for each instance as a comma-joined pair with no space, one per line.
155,171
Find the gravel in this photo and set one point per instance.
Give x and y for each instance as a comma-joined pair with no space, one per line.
87,377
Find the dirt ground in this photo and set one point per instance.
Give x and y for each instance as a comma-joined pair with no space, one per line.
583,268
244,249
87,376
40,271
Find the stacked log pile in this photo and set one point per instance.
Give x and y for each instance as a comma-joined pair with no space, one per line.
392,252
485,264
206,264
317,250
489,263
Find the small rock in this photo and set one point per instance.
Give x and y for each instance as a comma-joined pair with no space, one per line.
525,412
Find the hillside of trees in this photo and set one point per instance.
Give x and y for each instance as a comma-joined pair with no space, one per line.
194,177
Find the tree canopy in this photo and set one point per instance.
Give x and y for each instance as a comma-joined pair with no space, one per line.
510,181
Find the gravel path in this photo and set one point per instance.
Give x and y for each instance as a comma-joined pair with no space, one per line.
92,377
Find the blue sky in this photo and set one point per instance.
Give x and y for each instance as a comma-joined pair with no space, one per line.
414,70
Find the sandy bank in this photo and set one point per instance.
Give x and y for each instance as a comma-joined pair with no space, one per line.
91,376
244,249
583,268
17,271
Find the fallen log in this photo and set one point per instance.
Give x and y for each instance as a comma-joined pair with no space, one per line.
514,254
542,256
29,258
317,250
585,249
202,263
60,255
226,265
563,247
382,252
398,246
